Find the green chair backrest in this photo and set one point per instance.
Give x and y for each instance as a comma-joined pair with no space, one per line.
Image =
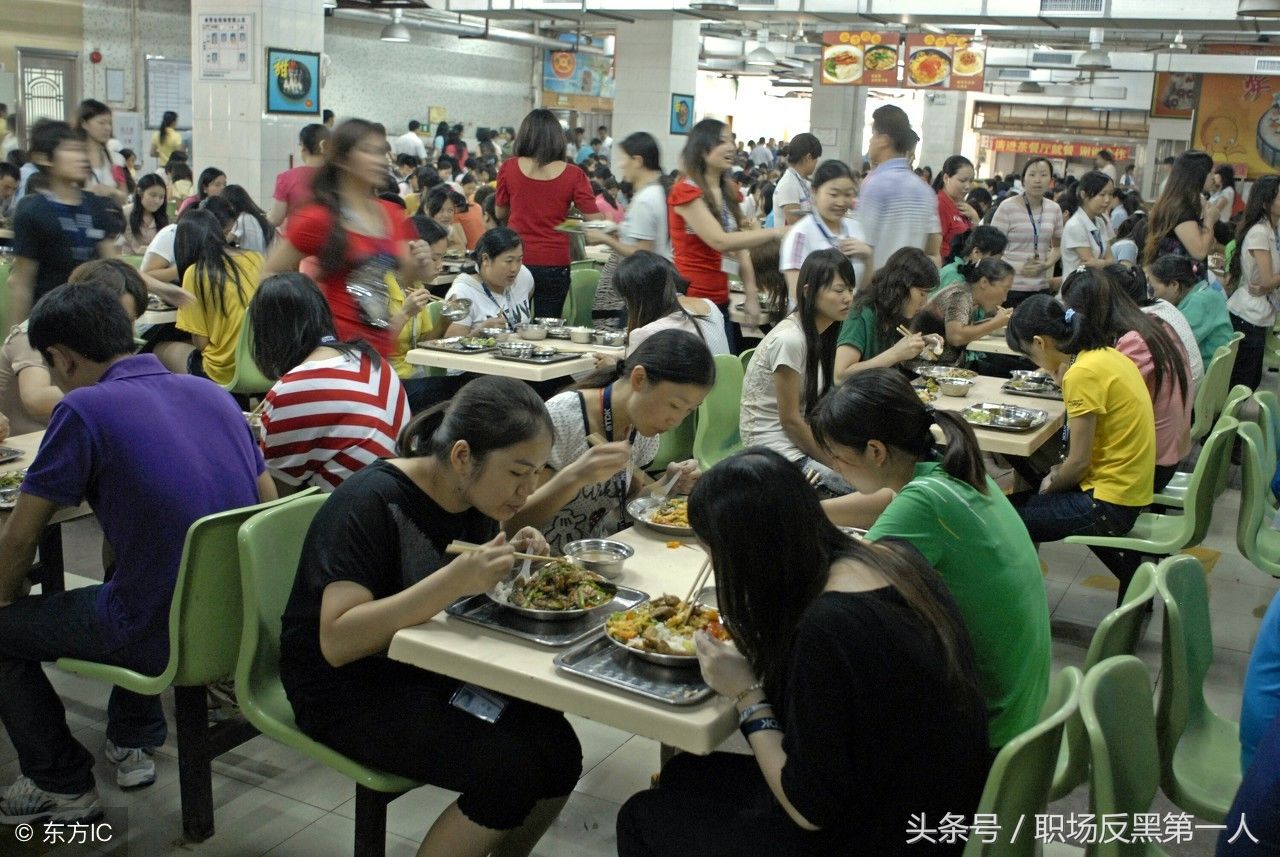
205,616
582,296
745,357
1269,419
1255,498
135,261
1206,478
248,378
676,445
1019,780
1187,648
716,436
1115,705
269,546
1211,395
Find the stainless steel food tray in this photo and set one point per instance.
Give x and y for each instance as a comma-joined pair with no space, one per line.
453,346
1035,391
642,507
601,661
1006,417
558,357
481,610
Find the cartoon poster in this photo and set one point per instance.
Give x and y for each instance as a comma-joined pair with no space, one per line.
1239,120
1175,94
293,82
574,73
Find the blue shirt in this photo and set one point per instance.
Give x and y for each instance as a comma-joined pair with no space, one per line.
1261,698
896,209
151,452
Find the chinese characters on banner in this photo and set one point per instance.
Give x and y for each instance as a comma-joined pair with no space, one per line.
860,58
868,58
1056,149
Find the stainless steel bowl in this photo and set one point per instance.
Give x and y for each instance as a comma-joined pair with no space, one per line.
581,335
494,332
548,321
597,549
642,508
456,309
957,387
544,351
612,338
531,331
515,349
498,597
682,661
558,332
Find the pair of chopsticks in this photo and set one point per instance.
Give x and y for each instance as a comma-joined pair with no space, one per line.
457,547
698,583
927,353
597,439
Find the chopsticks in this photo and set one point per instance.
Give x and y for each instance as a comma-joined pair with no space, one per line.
596,439
927,353
457,547
698,583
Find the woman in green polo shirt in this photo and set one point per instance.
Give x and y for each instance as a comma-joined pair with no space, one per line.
881,437
1175,279
869,337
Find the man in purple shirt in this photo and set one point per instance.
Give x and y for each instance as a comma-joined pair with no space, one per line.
151,452
895,208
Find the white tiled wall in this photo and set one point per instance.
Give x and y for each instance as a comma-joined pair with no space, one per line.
164,28
653,60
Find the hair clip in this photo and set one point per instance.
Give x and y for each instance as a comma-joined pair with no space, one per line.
1068,315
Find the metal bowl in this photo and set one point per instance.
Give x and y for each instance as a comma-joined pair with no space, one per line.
544,351
558,332
9,496
1035,376
515,349
456,309
957,387
531,331
491,332
548,321
611,338
606,557
500,599
642,508
581,335
939,372
683,661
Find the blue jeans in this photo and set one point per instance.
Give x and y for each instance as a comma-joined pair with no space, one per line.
1053,517
64,624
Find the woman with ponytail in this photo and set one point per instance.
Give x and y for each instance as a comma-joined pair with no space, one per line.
358,238
374,562
1107,472
973,308
881,438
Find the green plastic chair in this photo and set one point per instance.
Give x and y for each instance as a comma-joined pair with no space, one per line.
204,638
717,437
270,545
1271,356
584,265
135,261
1269,422
582,296
1019,780
1257,541
1174,494
1161,535
247,379
745,357
1115,706
1211,395
675,445
1199,751
1118,633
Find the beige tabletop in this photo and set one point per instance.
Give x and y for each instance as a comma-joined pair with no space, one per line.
993,343
157,316
525,670
736,314
29,443
1023,443
489,364
6,233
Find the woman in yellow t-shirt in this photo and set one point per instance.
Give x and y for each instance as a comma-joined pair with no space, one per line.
223,280
1106,477
166,140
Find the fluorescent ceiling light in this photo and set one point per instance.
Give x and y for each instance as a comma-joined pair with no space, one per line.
1258,9
714,6
762,56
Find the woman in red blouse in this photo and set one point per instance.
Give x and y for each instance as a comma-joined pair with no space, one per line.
535,190
956,216
358,238
706,225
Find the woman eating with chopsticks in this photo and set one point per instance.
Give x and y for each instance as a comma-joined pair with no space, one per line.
880,436
852,676
373,563
585,489
873,335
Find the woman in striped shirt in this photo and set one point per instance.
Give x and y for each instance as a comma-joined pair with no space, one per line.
336,407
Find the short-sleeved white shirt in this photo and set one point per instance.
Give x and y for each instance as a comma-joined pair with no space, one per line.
759,420
516,303
162,245
709,322
1082,231
1255,309
812,234
646,219
793,189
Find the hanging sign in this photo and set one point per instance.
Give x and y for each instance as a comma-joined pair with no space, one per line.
862,58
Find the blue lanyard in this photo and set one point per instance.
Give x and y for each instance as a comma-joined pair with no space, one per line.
1097,236
606,411
805,195
1035,226
496,305
825,234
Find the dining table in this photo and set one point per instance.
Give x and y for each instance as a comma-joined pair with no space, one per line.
49,569
992,343
987,389
157,316
489,363
526,670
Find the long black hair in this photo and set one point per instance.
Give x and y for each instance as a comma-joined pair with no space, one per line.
651,287
200,241
1095,293
989,269
324,188
704,137
208,176
289,318
1258,210
677,356
1041,315
908,268
241,203
489,413
757,514
168,121
1181,194
136,212
820,270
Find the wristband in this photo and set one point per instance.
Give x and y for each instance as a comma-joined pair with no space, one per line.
760,724
752,710
737,700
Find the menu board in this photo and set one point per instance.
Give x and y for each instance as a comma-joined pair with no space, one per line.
943,62
863,58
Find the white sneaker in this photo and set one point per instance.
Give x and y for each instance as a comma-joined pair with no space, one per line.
134,765
25,802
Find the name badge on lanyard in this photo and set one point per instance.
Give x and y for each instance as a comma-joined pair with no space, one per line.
729,265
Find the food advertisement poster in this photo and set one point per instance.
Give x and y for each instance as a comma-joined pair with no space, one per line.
1175,94
573,73
1239,120
943,61
851,58
293,82
681,113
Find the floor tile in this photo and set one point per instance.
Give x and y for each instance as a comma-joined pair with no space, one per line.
334,834
624,773
586,828
410,815
276,768
598,741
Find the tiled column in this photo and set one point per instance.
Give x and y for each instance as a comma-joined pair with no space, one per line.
230,127
943,133
836,115
653,60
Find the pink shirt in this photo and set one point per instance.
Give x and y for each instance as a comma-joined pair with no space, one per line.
1172,409
293,187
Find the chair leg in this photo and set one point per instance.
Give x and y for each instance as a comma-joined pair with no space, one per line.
371,822
195,762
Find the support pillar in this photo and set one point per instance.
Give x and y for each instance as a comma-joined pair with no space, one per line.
652,61
836,116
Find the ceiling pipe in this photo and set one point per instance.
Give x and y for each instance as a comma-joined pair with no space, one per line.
496,34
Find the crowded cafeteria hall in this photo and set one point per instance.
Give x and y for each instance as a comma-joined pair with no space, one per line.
639,427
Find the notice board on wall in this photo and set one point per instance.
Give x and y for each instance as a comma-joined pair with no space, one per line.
168,88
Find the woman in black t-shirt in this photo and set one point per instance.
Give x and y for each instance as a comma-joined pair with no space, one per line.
1181,222
374,562
852,675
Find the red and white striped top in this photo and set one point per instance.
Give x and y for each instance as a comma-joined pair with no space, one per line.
326,419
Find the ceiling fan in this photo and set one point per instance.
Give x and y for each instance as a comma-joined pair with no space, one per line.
1178,44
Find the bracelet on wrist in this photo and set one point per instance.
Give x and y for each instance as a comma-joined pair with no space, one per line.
752,710
737,700
760,724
